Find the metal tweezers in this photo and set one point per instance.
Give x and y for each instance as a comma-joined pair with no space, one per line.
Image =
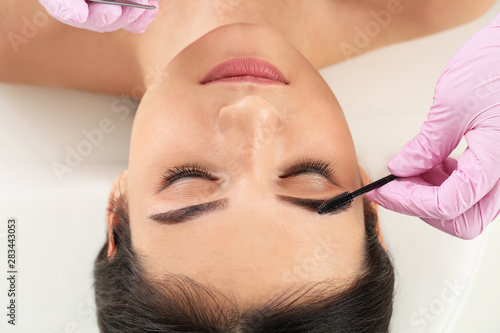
124,3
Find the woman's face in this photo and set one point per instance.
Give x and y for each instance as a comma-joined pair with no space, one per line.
262,234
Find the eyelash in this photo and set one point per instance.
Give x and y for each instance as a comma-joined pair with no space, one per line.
306,166
187,170
190,170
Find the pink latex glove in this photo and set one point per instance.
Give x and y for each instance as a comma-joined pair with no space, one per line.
460,198
102,17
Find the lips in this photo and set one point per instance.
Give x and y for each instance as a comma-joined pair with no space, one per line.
245,70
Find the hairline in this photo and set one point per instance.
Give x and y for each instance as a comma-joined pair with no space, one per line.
308,292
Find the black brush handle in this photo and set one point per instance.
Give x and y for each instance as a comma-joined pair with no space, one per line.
346,198
374,185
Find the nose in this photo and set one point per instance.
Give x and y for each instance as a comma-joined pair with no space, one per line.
249,128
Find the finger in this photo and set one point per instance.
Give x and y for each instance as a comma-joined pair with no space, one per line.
484,138
70,11
142,23
472,223
399,196
102,15
129,14
438,137
393,197
441,172
413,196
444,127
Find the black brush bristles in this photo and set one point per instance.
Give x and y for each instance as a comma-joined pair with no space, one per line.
346,198
335,203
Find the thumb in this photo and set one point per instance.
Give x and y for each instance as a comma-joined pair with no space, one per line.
404,195
142,23
102,15
416,196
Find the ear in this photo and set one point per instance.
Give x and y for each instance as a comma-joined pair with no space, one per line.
118,190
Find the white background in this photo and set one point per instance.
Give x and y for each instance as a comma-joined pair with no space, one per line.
385,95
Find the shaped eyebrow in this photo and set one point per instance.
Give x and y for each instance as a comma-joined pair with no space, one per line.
192,212
311,204
189,213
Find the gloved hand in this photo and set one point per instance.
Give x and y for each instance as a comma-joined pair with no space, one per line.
460,198
102,17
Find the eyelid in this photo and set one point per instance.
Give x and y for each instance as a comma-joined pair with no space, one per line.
185,171
305,165
308,166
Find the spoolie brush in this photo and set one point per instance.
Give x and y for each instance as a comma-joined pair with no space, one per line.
346,198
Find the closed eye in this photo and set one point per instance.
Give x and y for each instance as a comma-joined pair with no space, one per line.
308,166
185,171
197,171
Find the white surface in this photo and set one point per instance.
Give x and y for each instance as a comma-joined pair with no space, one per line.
385,95
61,223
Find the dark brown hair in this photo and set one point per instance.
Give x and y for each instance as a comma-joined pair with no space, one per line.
128,300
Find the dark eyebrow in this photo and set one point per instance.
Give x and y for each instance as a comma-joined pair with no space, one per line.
191,212
312,204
